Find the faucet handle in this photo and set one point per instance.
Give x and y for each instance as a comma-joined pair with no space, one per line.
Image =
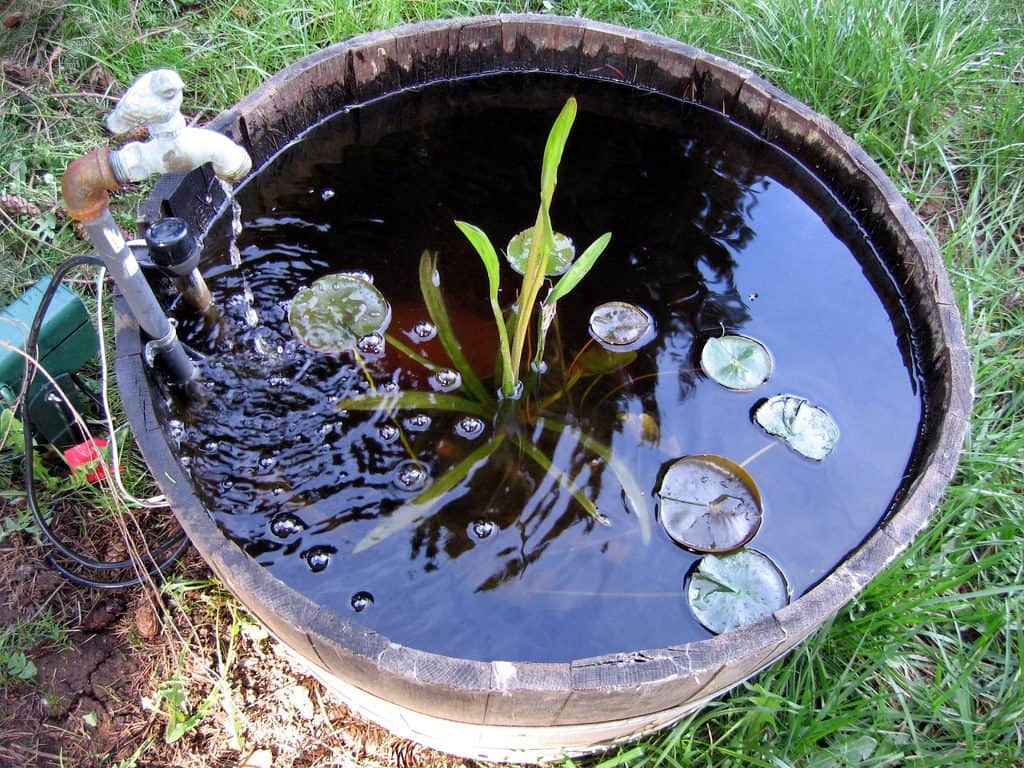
153,100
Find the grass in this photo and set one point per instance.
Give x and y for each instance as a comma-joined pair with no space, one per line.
924,668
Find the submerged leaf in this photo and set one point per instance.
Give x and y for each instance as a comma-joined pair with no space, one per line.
388,402
709,504
729,591
518,252
807,428
620,326
333,313
736,362
595,359
425,503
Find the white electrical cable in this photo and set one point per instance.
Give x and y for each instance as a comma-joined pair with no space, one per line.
115,464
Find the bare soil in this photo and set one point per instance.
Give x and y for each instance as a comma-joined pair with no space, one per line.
90,703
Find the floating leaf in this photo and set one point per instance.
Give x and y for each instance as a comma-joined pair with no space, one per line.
807,428
333,313
518,251
736,362
621,326
709,503
729,591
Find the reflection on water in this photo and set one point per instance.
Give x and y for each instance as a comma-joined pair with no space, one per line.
712,230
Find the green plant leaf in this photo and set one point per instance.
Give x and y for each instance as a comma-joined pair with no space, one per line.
485,249
553,149
425,503
709,504
389,402
807,428
430,288
736,362
728,591
333,313
579,269
517,252
563,480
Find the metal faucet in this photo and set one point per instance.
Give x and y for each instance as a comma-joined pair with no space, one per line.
154,100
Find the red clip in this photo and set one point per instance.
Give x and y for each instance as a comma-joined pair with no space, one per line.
87,455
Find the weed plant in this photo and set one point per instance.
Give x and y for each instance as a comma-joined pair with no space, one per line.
924,667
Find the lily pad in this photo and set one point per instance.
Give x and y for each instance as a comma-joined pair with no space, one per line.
518,252
621,327
728,591
736,362
333,313
807,428
709,503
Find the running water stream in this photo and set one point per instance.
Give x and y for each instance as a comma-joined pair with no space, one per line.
251,318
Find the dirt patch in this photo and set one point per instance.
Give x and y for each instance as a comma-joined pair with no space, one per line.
104,692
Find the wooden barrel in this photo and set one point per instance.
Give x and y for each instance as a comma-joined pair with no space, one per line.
525,712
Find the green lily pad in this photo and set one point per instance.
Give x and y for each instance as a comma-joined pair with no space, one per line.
333,313
620,327
736,362
728,591
808,429
518,252
709,504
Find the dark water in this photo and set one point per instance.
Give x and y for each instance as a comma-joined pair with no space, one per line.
712,229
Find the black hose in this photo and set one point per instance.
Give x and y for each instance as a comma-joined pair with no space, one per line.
177,543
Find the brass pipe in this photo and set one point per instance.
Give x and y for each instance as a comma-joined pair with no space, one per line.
86,185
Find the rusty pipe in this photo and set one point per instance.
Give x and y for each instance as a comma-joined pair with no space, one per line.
86,185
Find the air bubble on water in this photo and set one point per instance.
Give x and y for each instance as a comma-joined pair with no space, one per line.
176,428
361,601
469,427
388,433
482,529
327,194
209,446
185,461
410,476
446,380
424,330
541,367
286,525
267,462
226,485
317,558
389,386
371,343
418,422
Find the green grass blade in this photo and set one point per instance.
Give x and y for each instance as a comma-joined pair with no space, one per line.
564,480
389,402
554,148
421,506
439,315
411,353
485,249
579,269
630,488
